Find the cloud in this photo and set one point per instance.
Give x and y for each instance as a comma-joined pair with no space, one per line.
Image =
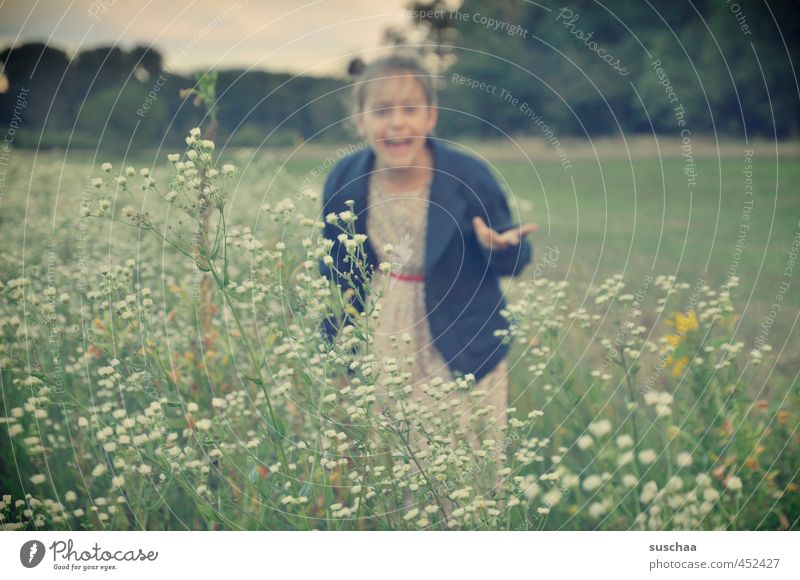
281,35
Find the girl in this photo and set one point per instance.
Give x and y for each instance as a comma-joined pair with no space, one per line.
440,218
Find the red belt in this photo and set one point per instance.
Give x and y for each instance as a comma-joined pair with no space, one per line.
407,277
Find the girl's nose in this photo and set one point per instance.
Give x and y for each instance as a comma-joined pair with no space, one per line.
396,116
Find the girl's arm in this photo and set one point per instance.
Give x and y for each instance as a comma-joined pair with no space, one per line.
501,241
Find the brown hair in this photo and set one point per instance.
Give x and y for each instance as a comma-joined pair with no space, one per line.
389,66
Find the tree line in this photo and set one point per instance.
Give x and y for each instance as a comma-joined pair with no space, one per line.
583,69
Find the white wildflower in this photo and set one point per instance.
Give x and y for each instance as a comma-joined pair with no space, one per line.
629,480
597,509
585,441
683,459
648,456
592,482
734,484
624,441
411,514
600,428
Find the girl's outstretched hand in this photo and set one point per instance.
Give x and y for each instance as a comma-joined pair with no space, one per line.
497,241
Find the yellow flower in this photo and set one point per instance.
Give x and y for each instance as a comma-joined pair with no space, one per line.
674,340
682,324
679,365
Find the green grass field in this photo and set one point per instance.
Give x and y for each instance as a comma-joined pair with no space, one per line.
111,313
607,214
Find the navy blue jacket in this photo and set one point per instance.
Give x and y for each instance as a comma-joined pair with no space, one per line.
463,297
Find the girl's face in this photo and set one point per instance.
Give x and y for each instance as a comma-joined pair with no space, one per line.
396,120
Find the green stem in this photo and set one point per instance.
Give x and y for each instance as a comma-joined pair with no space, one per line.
424,475
260,379
632,395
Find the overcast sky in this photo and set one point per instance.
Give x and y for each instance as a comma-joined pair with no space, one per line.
313,36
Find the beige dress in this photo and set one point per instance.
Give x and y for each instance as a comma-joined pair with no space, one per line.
402,330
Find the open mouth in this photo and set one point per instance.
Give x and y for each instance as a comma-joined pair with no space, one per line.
398,145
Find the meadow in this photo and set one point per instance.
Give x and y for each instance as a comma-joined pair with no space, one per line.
161,366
